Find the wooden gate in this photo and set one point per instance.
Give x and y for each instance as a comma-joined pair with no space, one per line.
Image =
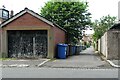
27,44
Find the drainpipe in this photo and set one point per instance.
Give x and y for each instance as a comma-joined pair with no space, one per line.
1,41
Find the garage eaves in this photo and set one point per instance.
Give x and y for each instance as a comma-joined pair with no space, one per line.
26,10
115,26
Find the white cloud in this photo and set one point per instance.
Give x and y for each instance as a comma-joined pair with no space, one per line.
98,8
18,5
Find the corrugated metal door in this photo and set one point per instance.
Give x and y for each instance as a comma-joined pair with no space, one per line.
27,44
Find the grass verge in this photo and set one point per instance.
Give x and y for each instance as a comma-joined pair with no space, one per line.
7,58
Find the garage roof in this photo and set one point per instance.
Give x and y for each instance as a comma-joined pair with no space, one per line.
116,26
26,10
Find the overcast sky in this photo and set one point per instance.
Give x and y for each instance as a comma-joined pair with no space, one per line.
98,8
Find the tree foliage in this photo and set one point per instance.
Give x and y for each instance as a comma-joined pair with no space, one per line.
72,16
102,25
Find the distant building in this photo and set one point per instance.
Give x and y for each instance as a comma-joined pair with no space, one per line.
87,35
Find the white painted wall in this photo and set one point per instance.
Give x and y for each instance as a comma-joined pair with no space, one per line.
102,45
108,45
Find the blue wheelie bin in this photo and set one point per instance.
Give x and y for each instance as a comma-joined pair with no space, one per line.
62,51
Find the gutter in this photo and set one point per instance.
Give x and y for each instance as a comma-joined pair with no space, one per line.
110,62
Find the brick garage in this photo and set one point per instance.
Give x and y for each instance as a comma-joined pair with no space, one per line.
27,34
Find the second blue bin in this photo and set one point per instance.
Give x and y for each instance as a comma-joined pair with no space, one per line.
73,50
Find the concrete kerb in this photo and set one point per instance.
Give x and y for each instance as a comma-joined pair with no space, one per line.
21,65
43,62
110,62
24,65
14,65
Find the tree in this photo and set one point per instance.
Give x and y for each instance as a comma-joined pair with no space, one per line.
72,16
102,25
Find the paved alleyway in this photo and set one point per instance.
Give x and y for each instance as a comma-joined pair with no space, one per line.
86,65
86,59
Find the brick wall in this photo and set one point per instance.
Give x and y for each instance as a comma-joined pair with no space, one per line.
27,20
59,35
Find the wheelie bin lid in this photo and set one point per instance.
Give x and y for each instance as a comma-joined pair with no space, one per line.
60,44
